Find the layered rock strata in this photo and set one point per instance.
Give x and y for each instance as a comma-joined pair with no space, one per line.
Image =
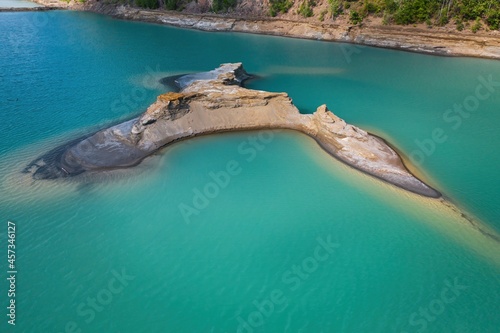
213,102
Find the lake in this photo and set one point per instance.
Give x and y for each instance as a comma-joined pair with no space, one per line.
296,241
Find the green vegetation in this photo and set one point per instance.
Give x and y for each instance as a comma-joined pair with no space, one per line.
371,7
218,6
493,19
355,17
464,14
150,4
171,4
336,7
279,6
477,25
322,15
386,18
431,12
116,2
305,8
223,5
417,11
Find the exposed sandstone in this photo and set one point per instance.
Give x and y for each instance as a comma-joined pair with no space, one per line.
213,102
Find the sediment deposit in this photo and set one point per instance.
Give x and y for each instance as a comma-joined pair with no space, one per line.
214,102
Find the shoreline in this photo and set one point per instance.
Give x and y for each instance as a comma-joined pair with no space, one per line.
406,187
57,153
322,147
28,9
439,41
215,102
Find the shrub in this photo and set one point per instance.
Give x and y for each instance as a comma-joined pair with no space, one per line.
355,17
171,4
335,8
443,18
415,11
493,20
150,4
370,7
223,5
386,18
477,25
472,9
305,8
280,6
391,6
322,15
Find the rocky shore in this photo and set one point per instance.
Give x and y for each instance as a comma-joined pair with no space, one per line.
28,9
403,38
438,40
214,102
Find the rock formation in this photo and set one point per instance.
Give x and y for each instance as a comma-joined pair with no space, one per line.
213,102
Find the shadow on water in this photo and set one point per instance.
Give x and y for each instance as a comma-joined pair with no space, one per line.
170,82
49,166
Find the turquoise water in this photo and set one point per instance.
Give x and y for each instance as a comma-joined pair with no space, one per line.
113,252
17,4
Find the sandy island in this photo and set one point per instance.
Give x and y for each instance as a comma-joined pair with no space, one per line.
214,102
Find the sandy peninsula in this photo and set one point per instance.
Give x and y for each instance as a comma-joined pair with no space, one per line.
214,102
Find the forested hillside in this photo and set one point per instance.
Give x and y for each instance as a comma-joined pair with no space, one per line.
462,14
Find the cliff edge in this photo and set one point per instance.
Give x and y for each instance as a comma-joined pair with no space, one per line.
253,17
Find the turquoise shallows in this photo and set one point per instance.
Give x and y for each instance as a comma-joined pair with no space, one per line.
17,4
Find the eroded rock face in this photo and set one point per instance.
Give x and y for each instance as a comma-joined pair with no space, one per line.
364,151
212,102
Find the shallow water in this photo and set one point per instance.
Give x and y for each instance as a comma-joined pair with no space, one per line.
17,4
229,262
